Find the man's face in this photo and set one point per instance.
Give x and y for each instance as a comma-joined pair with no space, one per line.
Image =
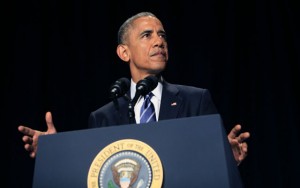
147,47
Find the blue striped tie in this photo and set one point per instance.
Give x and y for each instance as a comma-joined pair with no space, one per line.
147,110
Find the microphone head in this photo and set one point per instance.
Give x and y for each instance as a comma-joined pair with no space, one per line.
119,88
147,84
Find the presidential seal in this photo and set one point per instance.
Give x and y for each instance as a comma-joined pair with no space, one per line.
126,163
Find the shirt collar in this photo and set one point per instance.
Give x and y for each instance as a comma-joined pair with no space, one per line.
157,92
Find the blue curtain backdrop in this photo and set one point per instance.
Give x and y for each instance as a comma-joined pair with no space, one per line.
62,58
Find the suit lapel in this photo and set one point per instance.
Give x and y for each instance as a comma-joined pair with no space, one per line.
123,114
170,102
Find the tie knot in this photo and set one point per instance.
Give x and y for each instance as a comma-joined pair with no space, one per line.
149,95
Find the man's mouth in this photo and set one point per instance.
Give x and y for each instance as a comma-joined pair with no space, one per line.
159,53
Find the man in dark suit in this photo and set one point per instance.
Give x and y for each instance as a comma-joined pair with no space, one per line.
143,45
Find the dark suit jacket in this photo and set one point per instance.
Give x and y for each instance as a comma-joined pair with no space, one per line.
177,101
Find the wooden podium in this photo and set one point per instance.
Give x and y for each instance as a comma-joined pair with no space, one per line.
193,152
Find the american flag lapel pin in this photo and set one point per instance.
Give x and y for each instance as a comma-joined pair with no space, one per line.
173,103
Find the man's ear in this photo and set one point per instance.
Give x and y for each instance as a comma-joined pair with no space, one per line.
123,52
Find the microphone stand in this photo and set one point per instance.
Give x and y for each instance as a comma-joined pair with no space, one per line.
131,105
131,112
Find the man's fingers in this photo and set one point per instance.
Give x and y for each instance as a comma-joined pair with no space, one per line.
245,136
244,148
49,121
26,130
28,147
27,139
235,131
234,134
50,124
32,154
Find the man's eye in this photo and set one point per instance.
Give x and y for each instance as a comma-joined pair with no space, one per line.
146,35
163,36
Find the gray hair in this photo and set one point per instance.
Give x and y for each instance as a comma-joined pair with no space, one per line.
123,30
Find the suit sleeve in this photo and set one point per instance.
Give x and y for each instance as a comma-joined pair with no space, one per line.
207,105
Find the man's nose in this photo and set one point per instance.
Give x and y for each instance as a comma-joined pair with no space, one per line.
159,41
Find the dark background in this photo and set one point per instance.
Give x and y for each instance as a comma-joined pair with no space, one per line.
62,58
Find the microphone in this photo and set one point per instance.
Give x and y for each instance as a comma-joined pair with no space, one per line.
146,85
119,88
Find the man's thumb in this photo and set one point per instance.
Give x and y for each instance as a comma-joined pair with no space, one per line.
49,121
